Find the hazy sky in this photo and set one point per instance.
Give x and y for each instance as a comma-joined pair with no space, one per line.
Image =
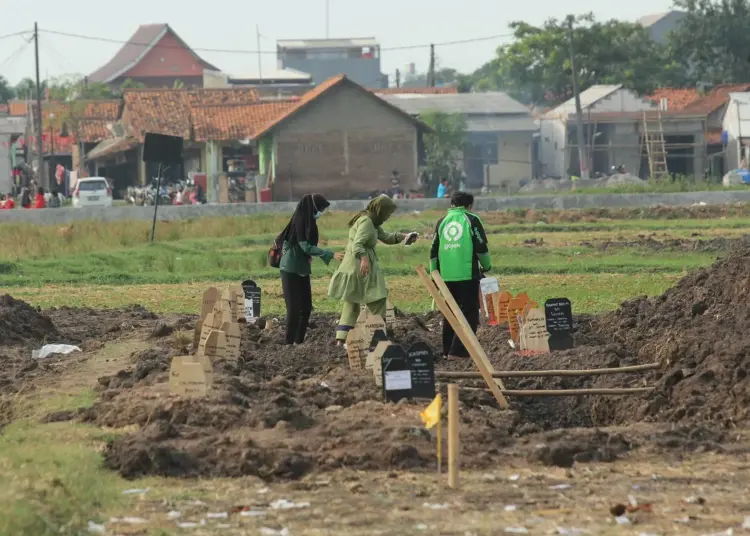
230,25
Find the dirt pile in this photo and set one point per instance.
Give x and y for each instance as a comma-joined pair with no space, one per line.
22,324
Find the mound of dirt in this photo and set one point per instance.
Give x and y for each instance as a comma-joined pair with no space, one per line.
22,324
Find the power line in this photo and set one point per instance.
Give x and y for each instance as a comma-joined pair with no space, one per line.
15,53
239,51
14,34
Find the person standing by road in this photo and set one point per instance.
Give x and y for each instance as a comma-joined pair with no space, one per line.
459,252
299,244
359,280
39,200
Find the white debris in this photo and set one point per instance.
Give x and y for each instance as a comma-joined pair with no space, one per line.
283,504
728,532
694,499
136,491
746,523
51,349
173,514
263,491
265,531
516,530
514,478
622,520
188,525
252,513
510,507
95,528
632,501
420,526
432,506
489,477
561,486
128,520
571,531
217,515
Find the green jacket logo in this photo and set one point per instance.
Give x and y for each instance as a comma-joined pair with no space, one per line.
453,231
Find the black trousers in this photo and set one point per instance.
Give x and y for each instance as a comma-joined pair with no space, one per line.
466,294
298,298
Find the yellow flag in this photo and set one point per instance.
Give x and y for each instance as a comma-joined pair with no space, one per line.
431,415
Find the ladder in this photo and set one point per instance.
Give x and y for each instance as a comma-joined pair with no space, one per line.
656,149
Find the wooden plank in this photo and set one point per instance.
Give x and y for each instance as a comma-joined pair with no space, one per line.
568,392
544,373
448,297
454,442
469,339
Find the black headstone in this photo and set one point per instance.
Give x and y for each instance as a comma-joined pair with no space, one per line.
559,318
252,301
378,336
422,362
396,374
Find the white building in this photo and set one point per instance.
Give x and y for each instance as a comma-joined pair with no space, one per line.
736,125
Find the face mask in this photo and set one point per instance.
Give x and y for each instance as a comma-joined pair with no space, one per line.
317,215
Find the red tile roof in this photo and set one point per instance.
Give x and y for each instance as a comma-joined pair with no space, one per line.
145,38
320,90
235,122
716,98
161,111
443,90
677,98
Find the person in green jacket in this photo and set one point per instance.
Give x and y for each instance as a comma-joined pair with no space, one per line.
359,279
299,241
458,251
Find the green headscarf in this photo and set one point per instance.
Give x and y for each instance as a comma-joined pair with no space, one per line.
378,210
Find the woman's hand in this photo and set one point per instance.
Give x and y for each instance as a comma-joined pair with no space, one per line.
410,238
339,256
364,266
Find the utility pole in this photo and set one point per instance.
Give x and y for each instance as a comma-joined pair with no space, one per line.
260,68
39,128
431,72
582,158
398,78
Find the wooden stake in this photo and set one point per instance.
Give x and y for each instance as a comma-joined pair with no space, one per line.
468,338
544,373
440,445
567,392
454,444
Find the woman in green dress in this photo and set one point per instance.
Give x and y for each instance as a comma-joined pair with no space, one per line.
359,279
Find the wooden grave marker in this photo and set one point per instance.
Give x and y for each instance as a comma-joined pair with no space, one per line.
233,335
487,287
187,377
229,298
222,312
396,374
238,306
390,315
377,361
535,332
197,333
501,301
209,324
215,346
210,297
422,362
559,319
356,346
515,310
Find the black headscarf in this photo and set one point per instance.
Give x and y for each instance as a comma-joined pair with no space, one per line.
303,227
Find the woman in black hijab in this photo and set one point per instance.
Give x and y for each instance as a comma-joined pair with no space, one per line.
299,241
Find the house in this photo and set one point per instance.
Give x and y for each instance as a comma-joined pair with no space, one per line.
356,58
155,56
281,83
339,139
615,120
736,125
68,128
659,25
11,129
500,150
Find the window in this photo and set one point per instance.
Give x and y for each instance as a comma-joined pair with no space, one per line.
326,54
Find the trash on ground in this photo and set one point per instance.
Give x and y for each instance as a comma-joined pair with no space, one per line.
95,528
432,506
51,349
283,504
136,491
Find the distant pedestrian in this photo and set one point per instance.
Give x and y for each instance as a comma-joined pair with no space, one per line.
54,199
299,242
459,253
39,201
25,198
8,202
443,190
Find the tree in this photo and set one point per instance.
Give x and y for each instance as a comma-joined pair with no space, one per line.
75,87
444,146
6,91
26,89
711,42
132,84
536,68
443,77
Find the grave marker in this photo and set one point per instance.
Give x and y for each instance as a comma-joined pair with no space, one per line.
502,299
356,346
215,346
252,294
229,299
234,340
377,336
422,362
396,374
390,315
187,377
210,297
222,311
376,358
515,310
197,333
372,324
487,286
535,332
239,302
559,320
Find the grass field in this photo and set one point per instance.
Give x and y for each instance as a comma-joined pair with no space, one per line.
60,490
113,264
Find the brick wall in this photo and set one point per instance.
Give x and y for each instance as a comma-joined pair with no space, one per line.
343,164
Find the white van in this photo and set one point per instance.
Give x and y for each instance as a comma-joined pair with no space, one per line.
92,192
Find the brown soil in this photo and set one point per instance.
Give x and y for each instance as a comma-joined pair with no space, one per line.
653,243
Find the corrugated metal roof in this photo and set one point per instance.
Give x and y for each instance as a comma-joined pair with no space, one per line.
328,43
589,97
501,123
495,102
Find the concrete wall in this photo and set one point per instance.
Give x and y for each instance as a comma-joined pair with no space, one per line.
513,159
553,147
343,145
62,216
364,71
622,100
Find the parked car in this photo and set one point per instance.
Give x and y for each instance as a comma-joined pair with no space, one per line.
92,192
